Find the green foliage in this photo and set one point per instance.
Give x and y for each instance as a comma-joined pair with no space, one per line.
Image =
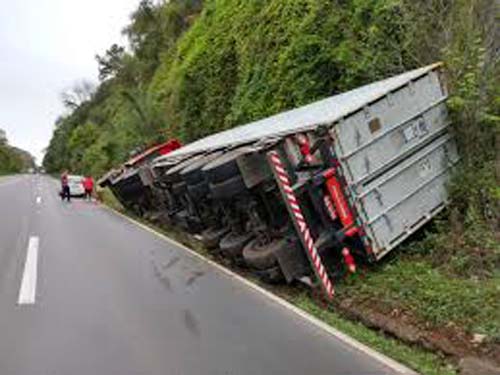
112,62
469,243
461,248
229,69
13,159
10,162
106,196
94,159
434,297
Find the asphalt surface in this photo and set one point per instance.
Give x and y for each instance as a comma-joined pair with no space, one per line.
112,298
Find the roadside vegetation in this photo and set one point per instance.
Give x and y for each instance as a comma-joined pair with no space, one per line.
196,67
13,159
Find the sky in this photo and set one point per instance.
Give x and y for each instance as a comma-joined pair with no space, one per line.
45,47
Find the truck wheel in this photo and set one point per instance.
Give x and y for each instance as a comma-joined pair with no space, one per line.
232,244
211,237
261,256
271,275
228,188
222,168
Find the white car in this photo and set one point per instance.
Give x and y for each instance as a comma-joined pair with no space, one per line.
75,184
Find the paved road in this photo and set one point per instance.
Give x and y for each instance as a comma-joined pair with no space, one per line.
112,298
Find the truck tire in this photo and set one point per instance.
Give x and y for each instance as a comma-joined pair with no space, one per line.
228,188
271,275
211,237
231,245
222,168
261,256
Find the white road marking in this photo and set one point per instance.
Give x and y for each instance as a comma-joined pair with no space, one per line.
353,343
28,284
38,200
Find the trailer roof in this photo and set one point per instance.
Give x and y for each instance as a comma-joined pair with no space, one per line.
304,118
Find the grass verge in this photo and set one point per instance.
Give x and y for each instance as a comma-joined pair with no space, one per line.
423,361
432,296
106,196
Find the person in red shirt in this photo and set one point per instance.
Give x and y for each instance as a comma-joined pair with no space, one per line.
88,185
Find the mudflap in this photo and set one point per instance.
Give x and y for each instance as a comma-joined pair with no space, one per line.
292,261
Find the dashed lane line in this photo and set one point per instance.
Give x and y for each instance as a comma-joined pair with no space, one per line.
27,292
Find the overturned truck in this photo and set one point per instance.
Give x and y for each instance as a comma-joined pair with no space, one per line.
310,193
132,183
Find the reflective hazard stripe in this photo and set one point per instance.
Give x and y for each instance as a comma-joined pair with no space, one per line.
285,185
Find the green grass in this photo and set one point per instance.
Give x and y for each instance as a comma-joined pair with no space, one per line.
107,197
433,296
416,358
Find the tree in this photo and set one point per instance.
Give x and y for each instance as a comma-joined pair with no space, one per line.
78,94
13,159
149,119
80,140
111,63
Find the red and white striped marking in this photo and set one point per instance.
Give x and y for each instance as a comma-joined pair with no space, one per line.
286,186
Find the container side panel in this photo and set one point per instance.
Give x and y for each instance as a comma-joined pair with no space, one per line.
391,127
395,205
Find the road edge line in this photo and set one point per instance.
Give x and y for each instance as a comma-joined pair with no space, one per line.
382,358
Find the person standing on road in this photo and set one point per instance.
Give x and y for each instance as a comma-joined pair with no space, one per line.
88,185
65,193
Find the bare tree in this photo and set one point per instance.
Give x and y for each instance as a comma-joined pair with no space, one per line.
81,92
